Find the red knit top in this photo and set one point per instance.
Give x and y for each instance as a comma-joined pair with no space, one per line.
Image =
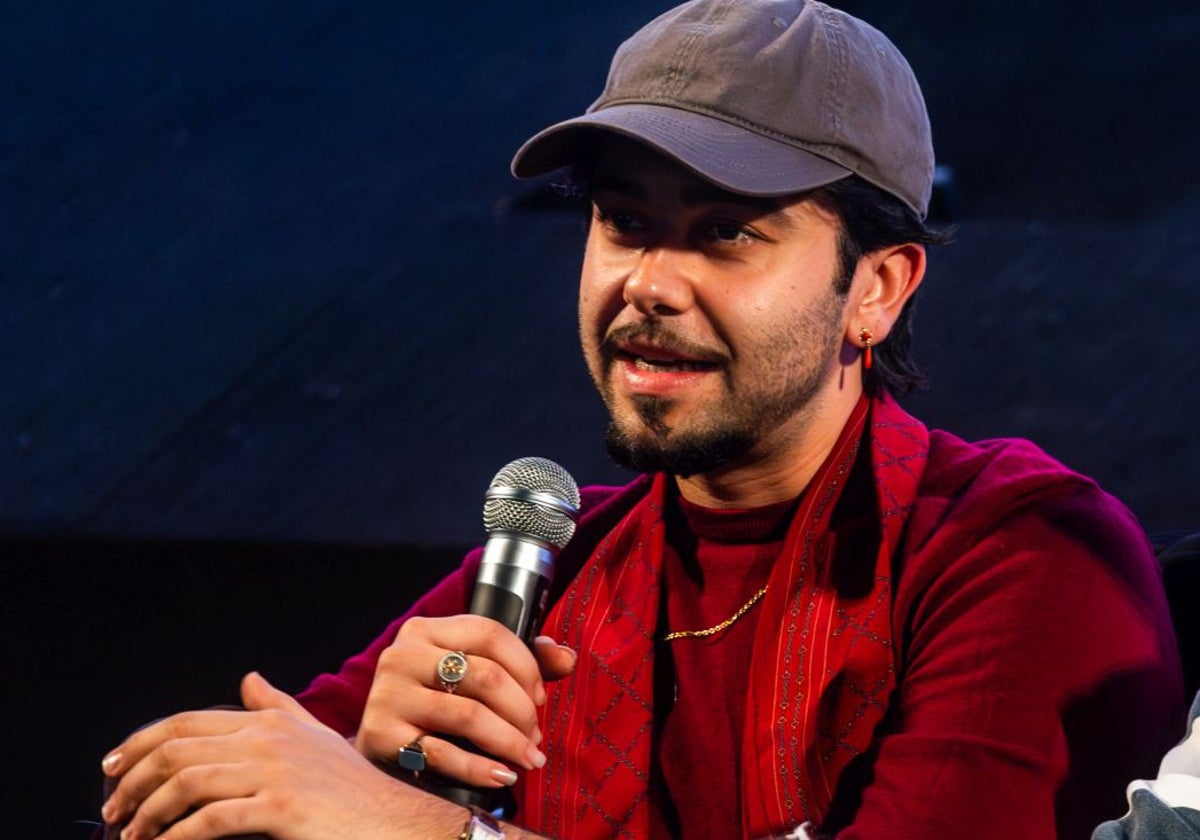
713,566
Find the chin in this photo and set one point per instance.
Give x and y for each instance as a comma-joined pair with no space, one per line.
682,454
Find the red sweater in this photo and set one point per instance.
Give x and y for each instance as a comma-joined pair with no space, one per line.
1038,669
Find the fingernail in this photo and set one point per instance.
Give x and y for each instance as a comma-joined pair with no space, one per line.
539,696
108,811
571,651
110,762
537,735
504,777
536,757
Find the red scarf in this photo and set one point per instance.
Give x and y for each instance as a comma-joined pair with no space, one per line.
821,674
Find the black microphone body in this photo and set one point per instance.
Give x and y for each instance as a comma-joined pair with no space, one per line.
513,583
529,513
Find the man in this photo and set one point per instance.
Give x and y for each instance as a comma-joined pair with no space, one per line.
810,615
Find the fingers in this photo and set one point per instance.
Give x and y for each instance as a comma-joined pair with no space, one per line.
555,661
484,638
493,741
175,756
234,817
455,761
171,759
483,727
493,706
257,693
271,768
186,724
192,785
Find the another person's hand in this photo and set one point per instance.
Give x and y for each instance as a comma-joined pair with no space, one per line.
493,706
272,769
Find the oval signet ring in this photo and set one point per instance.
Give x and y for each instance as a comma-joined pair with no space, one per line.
451,669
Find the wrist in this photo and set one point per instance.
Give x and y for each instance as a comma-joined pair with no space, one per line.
481,825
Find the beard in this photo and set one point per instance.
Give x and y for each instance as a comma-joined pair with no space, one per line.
683,454
781,378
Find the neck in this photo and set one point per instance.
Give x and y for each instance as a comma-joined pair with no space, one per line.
780,467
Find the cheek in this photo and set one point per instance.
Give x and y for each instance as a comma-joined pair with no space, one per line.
593,322
601,297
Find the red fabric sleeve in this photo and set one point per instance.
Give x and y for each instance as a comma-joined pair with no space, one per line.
1041,673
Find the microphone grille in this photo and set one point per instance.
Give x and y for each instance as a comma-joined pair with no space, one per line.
532,496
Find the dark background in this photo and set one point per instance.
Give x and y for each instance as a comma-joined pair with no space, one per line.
275,313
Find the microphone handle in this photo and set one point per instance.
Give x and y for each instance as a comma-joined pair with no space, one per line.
520,613
515,596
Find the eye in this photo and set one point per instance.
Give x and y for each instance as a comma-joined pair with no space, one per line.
729,233
619,222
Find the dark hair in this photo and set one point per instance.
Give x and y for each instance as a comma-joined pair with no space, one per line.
872,219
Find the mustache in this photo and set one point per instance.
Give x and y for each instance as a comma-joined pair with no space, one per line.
653,334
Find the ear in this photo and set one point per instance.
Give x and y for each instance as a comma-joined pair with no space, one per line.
884,282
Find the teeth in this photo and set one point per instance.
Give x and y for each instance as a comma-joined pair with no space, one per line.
664,365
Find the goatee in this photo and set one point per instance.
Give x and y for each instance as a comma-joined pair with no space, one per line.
684,455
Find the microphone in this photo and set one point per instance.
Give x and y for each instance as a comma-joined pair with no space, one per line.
529,513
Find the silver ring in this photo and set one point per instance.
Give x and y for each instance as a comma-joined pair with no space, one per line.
412,757
452,669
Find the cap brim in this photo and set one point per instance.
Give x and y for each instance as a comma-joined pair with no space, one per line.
732,157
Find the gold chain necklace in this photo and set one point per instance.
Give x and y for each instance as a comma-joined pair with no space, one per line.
717,628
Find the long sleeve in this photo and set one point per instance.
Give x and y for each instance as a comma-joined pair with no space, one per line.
1039,668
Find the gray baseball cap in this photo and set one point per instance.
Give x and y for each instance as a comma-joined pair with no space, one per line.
760,97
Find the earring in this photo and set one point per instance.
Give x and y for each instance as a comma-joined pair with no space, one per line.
865,335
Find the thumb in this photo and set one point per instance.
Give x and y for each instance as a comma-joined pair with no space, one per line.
555,661
258,694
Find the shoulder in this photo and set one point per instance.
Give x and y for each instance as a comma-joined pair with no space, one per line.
1010,493
1001,475
1005,540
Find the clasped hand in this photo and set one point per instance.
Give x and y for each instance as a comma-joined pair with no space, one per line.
275,769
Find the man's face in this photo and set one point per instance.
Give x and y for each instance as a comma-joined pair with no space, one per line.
709,321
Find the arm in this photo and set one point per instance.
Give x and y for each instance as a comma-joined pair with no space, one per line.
302,778
339,700
273,769
1037,672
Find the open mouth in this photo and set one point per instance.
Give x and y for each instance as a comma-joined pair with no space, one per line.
651,365
659,353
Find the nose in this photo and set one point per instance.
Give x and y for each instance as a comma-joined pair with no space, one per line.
658,285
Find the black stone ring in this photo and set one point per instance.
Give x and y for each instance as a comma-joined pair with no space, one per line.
412,757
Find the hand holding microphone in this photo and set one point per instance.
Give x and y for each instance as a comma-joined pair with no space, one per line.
471,733
529,513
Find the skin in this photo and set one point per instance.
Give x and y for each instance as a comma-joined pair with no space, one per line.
701,314
272,769
677,271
